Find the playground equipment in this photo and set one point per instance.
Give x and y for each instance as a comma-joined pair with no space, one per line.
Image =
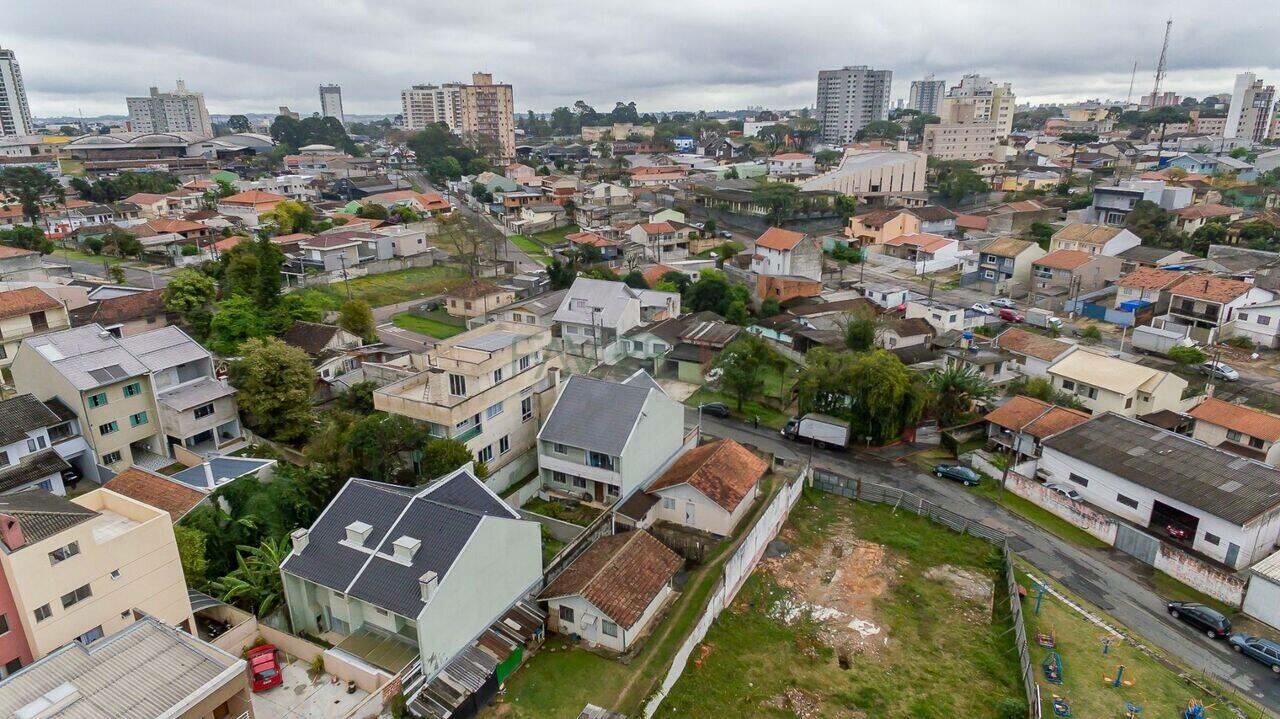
1119,680
1195,710
1049,640
1132,711
1060,706
1052,667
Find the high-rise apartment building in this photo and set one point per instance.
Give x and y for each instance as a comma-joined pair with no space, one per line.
423,105
977,99
849,99
15,115
177,111
1250,114
926,95
331,102
488,117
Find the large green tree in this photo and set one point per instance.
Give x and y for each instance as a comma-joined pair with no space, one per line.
255,585
30,186
779,200
744,365
236,320
275,382
873,390
356,317
191,293
26,237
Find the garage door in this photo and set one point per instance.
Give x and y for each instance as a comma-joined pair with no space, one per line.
1139,544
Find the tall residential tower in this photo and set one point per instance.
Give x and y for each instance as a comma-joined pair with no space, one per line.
979,100
15,115
1249,115
926,95
482,113
849,99
177,111
331,102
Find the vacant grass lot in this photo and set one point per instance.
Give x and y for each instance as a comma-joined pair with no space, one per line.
440,325
535,251
556,236
936,655
390,287
770,405
579,514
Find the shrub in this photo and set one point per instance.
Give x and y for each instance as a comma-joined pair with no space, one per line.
1241,342
1091,334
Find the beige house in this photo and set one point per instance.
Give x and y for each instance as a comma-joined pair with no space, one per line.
1237,428
880,226
25,313
476,298
488,388
1073,269
1093,239
1107,384
88,567
709,488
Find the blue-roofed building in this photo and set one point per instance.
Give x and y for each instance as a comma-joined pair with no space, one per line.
217,471
684,143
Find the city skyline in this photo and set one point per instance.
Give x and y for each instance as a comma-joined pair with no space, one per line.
716,60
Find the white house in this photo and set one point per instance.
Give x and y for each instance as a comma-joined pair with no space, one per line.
1262,598
1229,505
1259,322
1032,353
942,316
709,488
787,253
598,312
1203,305
29,458
792,164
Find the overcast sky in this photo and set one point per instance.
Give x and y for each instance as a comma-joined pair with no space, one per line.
663,54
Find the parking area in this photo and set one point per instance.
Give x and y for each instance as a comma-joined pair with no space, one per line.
299,697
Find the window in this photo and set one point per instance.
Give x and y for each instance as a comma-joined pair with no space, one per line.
566,614
4,624
611,490
109,427
133,390
64,553
43,612
1068,385
1263,320
1078,479
559,448
609,628
1212,538
493,411
1127,501
457,385
526,409
1234,436
115,573
137,419
485,454
98,400
558,477
90,636
1256,443
603,461
497,375
1128,402
504,445
668,503
204,410
4,458
524,362
35,444
580,482
75,596
111,458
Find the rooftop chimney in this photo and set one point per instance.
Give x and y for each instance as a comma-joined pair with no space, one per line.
357,533
405,548
11,532
300,538
428,584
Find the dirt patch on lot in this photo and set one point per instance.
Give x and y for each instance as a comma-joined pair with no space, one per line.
836,584
976,590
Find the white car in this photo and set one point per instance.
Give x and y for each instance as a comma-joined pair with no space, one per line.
1220,370
984,309
1067,492
1004,302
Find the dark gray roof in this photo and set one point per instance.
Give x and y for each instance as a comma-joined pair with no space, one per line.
225,469
41,514
32,468
1220,483
595,414
1146,253
23,414
442,516
63,412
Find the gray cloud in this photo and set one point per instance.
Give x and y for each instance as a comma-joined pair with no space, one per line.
663,54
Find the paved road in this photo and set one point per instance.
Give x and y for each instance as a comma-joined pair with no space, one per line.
133,276
1110,579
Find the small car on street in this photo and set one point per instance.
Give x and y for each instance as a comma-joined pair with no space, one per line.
265,667
1264,650
1004,302
1009,315
715,409
1220,370
984,309
1210,621
959,473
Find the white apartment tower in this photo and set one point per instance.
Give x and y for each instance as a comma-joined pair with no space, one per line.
483,112
1249,115
15,115
177,111
331,102
926,95
424,105
977,99
849,99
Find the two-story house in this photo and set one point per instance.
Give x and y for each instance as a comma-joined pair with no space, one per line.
392,574
80,569
125,313
1147,286
1022,423
476,298
602,456
1260,323
328,346
1203,304
25,313
1113,203
665,241
1005,263
36,444
1237,428
1065,271
594,313
1193,217
880,226
1109,384
537,310
1031,353
786,253
1093,239
943,317
488,388
792,165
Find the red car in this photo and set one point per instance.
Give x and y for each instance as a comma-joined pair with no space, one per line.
265,667
1009,316
1176,532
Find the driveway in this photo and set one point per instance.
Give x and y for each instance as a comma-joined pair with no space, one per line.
1114,581
300,698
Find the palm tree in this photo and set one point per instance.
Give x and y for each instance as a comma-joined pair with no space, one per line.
255,584
955,389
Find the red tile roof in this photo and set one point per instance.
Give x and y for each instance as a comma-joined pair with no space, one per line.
1020,341
723,471
654,228
1035,417
925,241
1198,212
1213,289
589,238
792,156
7,251
157,491
178,226
620,575
254,197
474,289
1064,259
16,303
1247,420
1150,278
776,238
971,222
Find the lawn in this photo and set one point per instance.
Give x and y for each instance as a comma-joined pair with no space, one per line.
535,251
1157,687
390,287
70,254
915,635
556,236
439,325
769,416
579,514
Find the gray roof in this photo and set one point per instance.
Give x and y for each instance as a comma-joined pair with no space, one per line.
1218,482
442,516
22,414
611,297
143,671
202,391
32,468
491,341
42,515
1146,253
595,414
85,357
542,305
164,348
224,469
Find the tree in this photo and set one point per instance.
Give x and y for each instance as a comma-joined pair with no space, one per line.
1153,224
679,279
442,456
712,292
709,228
374,211
356,317
774,137
1186,356
779,200
959,184
121,243
873,390
376,445
918,123
1041,232
880,129
252,269
860,333
635,278
235,320
190,293
275,382
358,399
238,123
255,585
954,390
30,185
468,240
560,274
1164,116
827,158
743,364
26,237
191,552
846,206
736,313
1091,335
116,274
291,216
1075,139
770,307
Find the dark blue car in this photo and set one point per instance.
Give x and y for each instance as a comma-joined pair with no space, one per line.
959,473
1264,650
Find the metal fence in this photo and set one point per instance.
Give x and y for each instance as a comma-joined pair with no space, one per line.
856,489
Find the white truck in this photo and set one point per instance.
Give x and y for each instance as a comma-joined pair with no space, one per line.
1158,341
819,429
1037,317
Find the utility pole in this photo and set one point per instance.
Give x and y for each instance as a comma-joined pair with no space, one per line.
346,281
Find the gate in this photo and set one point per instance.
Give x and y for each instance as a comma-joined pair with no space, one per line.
1139,544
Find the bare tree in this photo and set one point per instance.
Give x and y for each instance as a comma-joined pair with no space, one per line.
472,242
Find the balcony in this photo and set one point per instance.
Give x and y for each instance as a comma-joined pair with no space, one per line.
469,434
1207,315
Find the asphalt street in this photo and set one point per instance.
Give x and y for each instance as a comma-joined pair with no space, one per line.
1109,579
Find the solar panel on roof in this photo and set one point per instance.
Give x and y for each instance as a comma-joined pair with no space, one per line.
110,373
